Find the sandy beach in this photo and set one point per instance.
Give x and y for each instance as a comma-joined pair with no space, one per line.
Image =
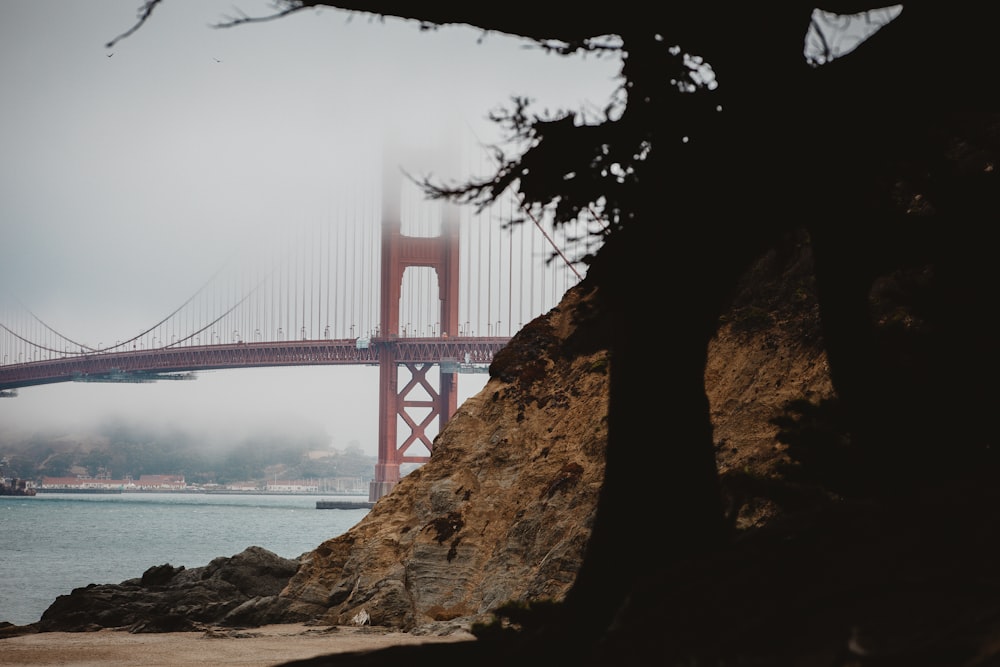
257,647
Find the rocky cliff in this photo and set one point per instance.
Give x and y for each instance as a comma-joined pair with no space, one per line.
503,509
502,512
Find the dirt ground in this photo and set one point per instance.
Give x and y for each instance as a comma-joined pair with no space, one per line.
258,647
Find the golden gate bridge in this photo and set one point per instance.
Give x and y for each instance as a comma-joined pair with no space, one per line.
391,280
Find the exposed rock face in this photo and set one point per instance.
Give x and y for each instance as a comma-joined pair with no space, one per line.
241,590
767,355
503,510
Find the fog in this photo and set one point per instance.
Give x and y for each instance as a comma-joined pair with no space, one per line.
130,174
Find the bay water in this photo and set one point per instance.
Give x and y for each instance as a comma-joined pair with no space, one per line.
52,543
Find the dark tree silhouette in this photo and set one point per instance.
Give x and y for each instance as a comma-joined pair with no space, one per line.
888,157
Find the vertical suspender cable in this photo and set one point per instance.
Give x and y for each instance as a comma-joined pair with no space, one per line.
489,276
350,272
339,280
532,270
370,276
286,330
362,268
525,295
479,276
375,231
312,277
328,285
316,289
303,273
544,275
510,278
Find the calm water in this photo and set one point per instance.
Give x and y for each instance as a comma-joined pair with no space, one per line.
52,543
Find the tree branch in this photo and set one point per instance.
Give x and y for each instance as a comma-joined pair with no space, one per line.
230,22
144,13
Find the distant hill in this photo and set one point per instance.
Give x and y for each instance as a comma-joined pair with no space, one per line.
120,450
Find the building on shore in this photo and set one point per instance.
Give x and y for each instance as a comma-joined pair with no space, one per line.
161,483
345,485
85,483
14,486
293,486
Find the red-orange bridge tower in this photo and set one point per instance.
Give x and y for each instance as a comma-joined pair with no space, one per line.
441,253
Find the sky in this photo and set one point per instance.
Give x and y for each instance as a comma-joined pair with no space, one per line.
128,174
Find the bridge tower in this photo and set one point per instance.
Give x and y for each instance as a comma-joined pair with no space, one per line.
440,253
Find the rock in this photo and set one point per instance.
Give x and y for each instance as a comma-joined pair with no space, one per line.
258,611
165,623
159,575
503,509
237,590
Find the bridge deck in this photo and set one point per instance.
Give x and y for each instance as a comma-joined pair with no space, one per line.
140,364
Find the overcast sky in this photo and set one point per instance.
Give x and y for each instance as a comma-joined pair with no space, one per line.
126,173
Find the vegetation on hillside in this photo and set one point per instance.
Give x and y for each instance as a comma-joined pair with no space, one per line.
119,449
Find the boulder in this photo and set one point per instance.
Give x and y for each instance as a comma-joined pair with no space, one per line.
240,590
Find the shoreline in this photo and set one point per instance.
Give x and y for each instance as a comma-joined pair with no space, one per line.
265,646
208,492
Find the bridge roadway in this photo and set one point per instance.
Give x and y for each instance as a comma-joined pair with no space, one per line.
168,363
